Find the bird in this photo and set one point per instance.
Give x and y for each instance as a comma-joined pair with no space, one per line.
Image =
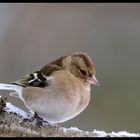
60,90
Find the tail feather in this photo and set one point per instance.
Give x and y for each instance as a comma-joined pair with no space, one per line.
16,88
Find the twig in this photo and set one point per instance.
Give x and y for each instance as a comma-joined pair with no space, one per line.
13,125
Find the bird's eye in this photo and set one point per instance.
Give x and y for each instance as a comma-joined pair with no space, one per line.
83,72
89,75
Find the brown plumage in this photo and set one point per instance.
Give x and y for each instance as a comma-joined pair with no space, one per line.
60,90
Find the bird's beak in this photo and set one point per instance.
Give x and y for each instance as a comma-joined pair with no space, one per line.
92,80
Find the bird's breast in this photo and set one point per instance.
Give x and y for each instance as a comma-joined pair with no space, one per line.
64,98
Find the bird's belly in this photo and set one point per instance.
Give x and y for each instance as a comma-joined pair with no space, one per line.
56,107
60,111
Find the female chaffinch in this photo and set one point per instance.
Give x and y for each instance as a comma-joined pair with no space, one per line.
60,90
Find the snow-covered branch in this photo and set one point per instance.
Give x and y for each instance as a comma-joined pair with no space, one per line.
12,124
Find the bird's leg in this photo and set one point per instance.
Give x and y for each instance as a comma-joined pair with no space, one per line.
38,119
34,118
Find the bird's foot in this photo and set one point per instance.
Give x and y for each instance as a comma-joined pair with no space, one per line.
38,121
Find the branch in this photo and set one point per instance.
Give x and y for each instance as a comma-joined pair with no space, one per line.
12,124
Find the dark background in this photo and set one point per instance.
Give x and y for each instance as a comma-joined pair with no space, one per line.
32,35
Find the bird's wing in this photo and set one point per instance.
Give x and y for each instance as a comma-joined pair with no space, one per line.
38,78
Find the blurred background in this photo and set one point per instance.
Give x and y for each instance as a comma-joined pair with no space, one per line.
32,35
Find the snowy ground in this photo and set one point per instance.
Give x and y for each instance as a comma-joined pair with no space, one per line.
20,112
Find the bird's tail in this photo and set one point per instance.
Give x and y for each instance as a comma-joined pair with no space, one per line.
16,88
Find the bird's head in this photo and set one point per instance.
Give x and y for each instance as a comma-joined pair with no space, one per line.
81,66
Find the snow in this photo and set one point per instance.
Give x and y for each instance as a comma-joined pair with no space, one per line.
115,134
70,129
20,112
102,133
123,134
